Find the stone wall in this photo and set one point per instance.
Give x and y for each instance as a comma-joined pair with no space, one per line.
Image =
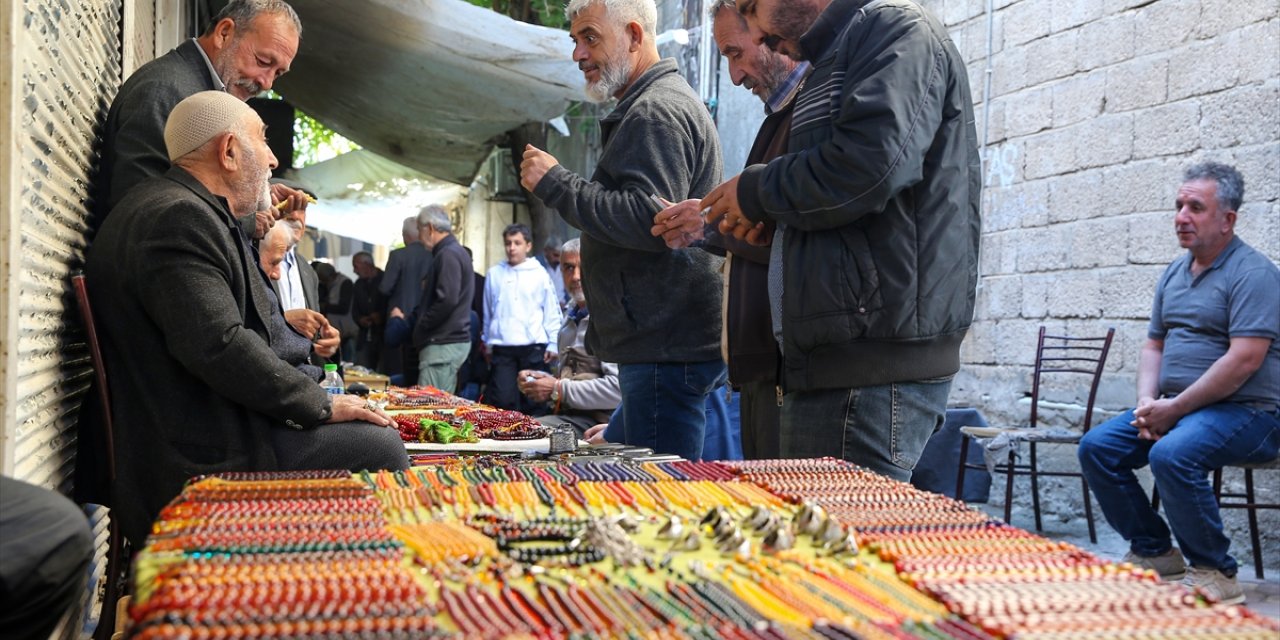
1095,109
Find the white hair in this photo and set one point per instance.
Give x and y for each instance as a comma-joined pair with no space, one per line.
282,227
621,12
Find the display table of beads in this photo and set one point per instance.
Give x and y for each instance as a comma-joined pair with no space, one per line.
492,547
433,420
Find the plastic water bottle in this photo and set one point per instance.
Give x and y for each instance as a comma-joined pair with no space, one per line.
332,381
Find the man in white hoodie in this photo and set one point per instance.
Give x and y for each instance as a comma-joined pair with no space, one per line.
521,319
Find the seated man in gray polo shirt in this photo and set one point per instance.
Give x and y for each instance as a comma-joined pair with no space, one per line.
1208,389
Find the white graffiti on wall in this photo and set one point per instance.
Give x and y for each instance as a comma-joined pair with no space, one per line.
1002,165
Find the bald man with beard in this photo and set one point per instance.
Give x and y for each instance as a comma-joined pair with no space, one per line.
186,322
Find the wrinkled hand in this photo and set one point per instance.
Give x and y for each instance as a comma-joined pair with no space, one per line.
296,201
327,344
680,224
539,390
549,356
262,223
1154,418
722,202
536,163
595,435
306,322
348,408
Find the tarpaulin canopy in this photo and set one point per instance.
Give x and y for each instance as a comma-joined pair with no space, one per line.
367,197
427,84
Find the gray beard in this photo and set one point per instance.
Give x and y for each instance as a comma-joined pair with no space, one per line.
612,80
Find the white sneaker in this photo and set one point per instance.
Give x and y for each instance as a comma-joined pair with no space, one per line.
1214,585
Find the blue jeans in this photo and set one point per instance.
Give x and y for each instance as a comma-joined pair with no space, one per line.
723,437
882,428
1203,440
664,405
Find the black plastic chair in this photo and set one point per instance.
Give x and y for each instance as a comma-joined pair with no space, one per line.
1057,357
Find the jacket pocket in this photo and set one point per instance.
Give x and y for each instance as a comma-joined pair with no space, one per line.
831,288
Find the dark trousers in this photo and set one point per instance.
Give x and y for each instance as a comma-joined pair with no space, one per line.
368,349
761,421
45,549
504,364
354,446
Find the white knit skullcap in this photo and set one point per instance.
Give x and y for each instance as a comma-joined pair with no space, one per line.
199,118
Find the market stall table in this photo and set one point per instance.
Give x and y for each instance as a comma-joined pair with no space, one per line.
500,546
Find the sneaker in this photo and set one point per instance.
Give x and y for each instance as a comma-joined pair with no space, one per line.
1214,585
1170,566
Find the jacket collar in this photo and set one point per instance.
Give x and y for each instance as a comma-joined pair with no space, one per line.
219,203
830,23
218,84
444,242
660,68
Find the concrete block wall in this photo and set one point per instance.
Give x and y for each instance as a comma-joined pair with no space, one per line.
1096,107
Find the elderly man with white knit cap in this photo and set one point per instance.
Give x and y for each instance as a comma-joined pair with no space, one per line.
189,327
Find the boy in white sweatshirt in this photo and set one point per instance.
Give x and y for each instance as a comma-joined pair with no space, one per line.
521,319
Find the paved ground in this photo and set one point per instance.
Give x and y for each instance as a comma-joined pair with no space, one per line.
1262,596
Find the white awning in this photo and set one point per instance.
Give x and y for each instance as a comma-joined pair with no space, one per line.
427,83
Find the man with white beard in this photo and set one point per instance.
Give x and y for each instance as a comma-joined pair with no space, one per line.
186,321
655,311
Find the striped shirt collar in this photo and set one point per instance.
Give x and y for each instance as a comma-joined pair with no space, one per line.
783,95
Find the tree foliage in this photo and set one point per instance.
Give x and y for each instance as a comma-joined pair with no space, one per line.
314,142
548,13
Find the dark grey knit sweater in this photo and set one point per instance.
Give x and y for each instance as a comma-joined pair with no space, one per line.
648,303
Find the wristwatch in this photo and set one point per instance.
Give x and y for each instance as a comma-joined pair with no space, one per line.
555,392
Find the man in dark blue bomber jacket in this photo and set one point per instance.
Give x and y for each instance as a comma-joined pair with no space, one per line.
655,311
877,213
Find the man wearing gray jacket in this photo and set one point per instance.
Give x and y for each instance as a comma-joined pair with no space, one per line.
876,202
655,311
585,391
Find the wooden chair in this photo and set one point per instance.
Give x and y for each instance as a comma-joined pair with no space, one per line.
1058,357
1235,500
117,552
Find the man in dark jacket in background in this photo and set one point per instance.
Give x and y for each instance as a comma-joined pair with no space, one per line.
874,261
654,311
752,353
402,283
442,330
368,307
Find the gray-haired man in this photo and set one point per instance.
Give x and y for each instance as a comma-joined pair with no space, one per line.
247,47
1208,392
442,332
655,311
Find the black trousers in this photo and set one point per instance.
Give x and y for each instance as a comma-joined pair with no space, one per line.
505,363
45,549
